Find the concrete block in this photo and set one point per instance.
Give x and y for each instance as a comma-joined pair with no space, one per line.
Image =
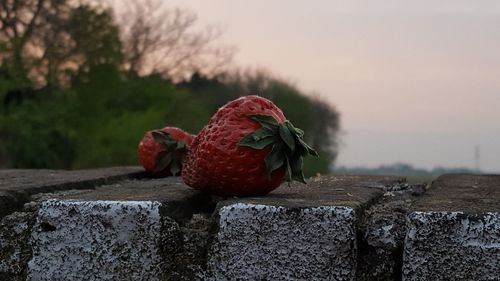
184,219
452,246
382,232
37,181
454,231
261,242
15,231
109,225
98,240
296,232
17,185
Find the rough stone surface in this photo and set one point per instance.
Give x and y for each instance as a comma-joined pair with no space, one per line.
15,230
11,201
342,190
335,228
184,247
454,230
385,222
99,240
36,181
16,186
178,201
382,231
281,209
147,189
185,218
322,194
452,246
462,193
261,242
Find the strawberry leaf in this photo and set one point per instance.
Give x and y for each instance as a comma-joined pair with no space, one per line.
258,139
288,148
163,161
260,144
296,167
288,170
294,129
175,167
256,136
275,159
180,145
287,137
309,149
163,138
172,157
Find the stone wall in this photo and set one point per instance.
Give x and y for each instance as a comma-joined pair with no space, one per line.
118,224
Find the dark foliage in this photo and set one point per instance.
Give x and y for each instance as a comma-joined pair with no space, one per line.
68,99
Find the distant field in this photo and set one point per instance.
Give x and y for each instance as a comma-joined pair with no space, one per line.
420,178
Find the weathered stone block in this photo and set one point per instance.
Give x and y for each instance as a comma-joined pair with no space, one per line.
382,231
184,219
454,231
260,242
99,240
296,232
11,201
15,230
37,181
152,229
17,185
452,246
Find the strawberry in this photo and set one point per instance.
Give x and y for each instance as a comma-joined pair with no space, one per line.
161,151
248,148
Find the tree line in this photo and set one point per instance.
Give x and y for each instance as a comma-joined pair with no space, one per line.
80,83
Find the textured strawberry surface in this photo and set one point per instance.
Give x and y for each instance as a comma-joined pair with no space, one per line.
149,150
216,162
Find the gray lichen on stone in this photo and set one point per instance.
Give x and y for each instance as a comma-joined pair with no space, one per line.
15,230
184,247
99,240
452,246
382,232
262,242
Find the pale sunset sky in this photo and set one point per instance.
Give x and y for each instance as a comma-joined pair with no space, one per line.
415,81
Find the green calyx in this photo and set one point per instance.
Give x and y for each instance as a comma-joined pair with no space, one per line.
172,156
288,147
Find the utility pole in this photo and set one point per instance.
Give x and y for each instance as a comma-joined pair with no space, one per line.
477,158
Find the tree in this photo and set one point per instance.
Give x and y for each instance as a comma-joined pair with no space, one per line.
46,41
88,38
162,40
19,23
44,45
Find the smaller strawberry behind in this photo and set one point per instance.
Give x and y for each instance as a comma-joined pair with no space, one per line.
161,151
248,148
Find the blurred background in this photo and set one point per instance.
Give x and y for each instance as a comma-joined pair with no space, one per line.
391,87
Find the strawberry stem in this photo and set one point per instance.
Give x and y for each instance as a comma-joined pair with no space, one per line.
172,157
288,147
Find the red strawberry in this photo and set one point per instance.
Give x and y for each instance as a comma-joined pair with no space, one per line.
161,151
246,149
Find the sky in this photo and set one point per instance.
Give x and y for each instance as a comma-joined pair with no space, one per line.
415,81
